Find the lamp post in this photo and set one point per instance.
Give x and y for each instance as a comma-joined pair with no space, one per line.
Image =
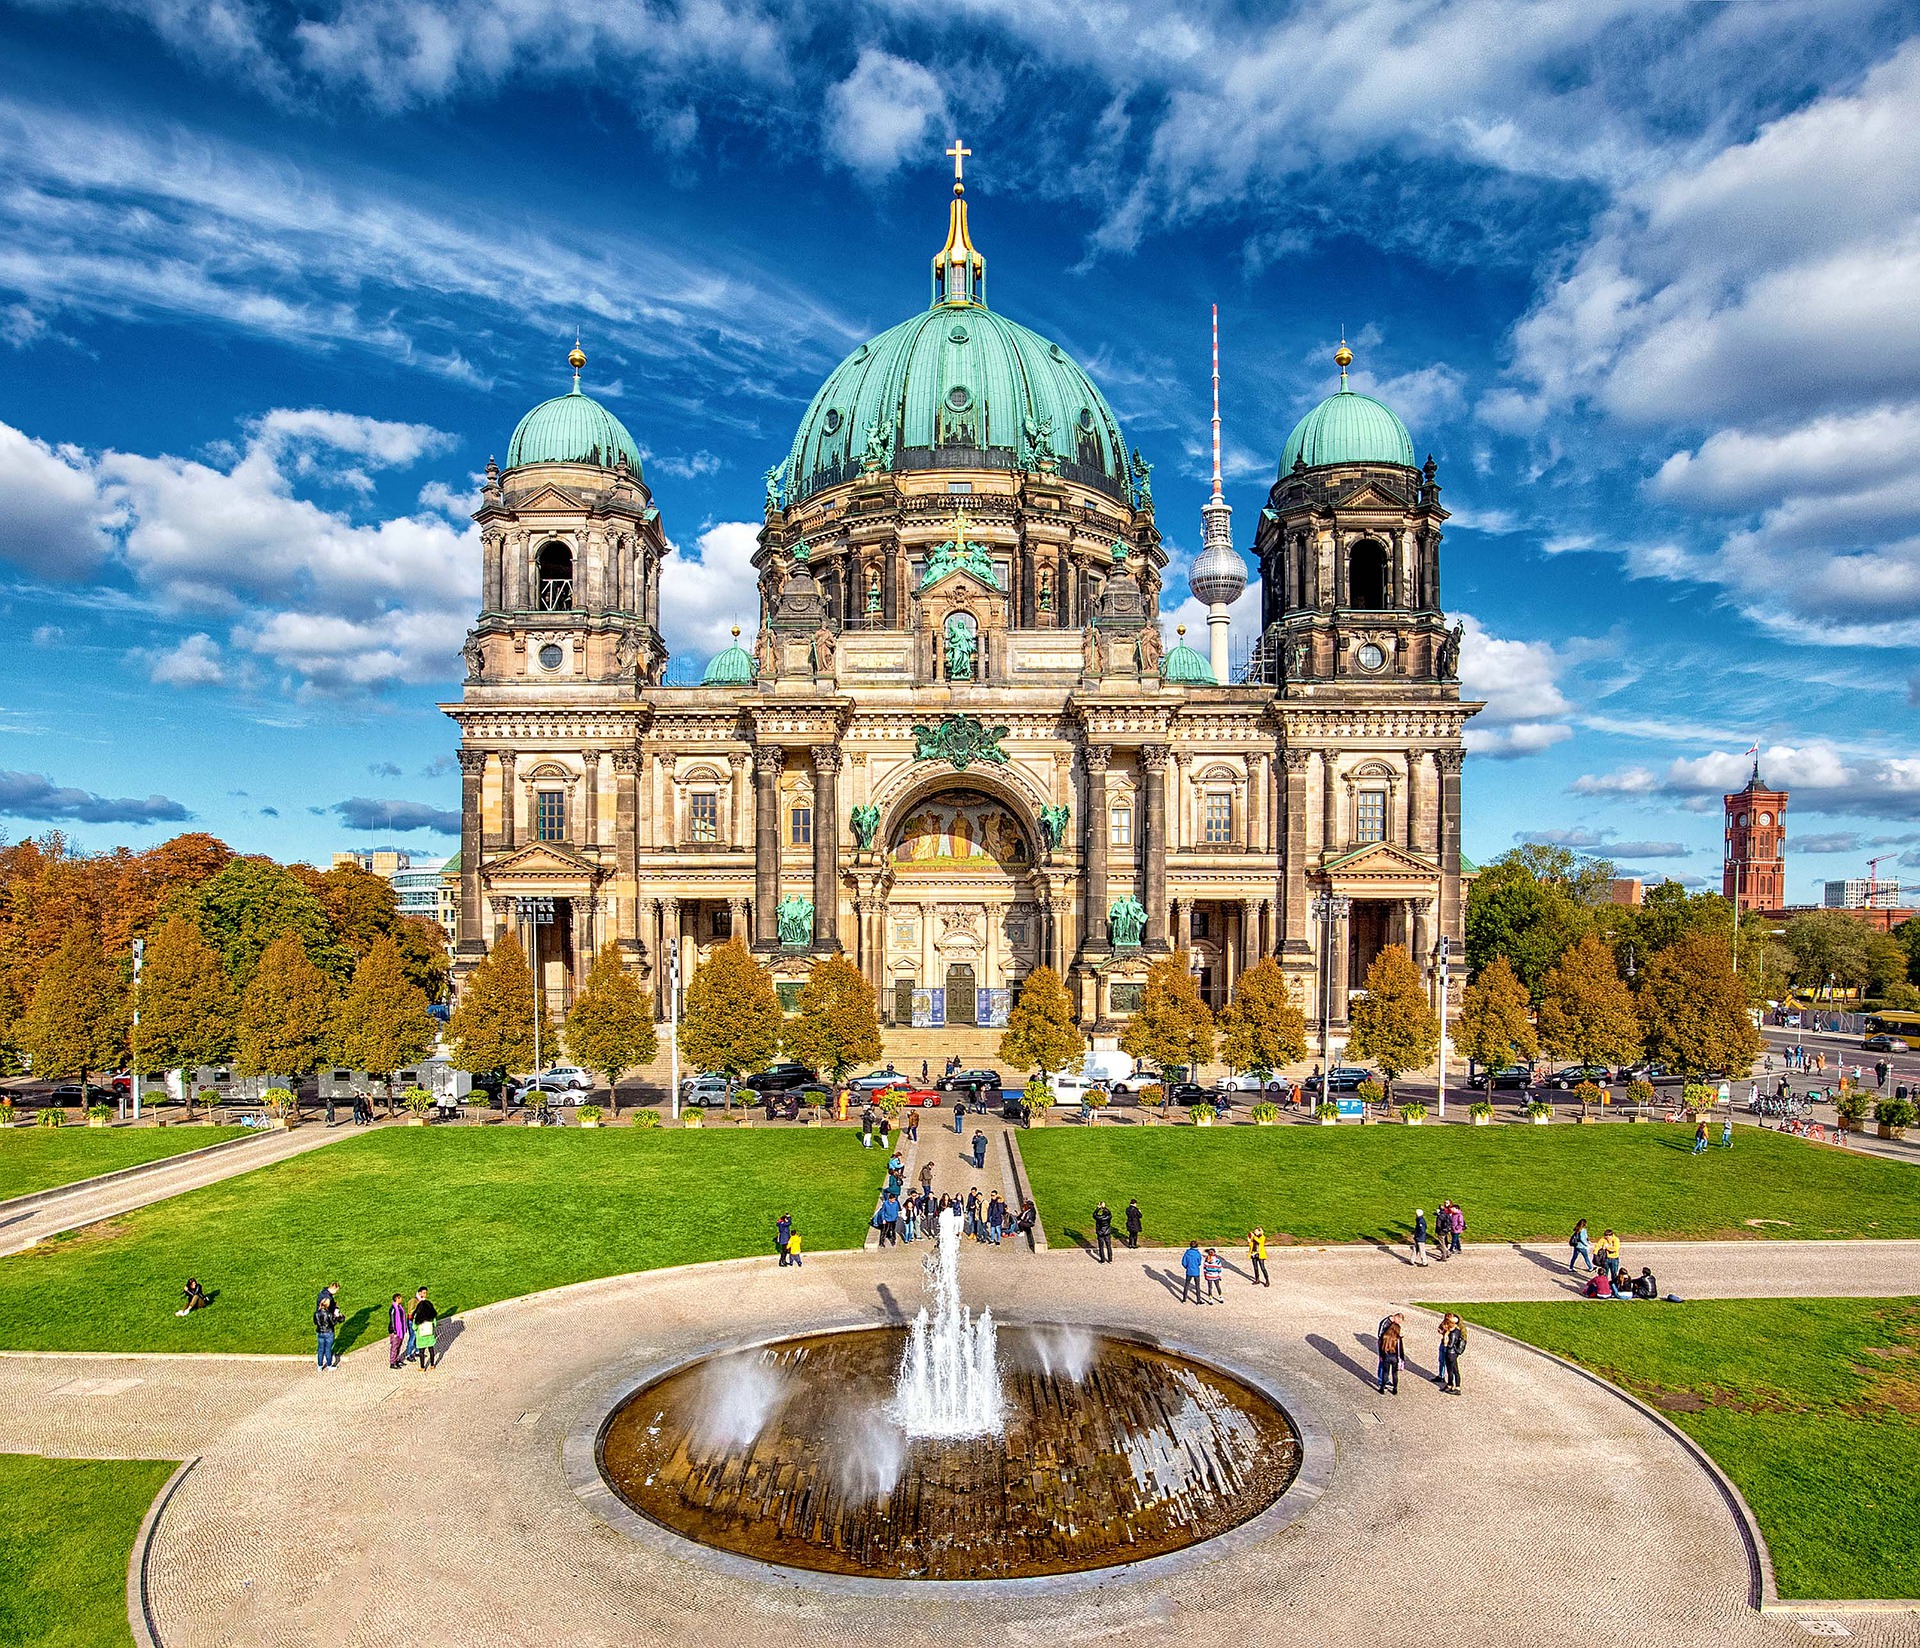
538,912
1329,907
1446,947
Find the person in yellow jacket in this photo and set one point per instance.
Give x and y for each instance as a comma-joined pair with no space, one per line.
793,1250
1257,1252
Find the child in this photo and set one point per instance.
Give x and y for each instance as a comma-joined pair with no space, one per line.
1212,1269
793,1250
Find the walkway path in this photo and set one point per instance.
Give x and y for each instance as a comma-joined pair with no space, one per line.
318,1498
85,1204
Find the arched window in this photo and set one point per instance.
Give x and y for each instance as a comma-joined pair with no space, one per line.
1367,576
556,578
1120,825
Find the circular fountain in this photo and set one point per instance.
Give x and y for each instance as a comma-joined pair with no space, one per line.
953,1449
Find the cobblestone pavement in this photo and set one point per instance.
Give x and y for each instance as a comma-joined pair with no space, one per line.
133,1407
371,1506
88,1205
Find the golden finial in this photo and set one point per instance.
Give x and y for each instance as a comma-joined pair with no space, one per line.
1180,630
1343,357
736,632
959,154
576,358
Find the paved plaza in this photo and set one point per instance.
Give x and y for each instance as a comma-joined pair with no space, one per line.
373,1506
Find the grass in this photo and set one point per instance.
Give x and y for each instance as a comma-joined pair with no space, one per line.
1362,1184
66,1533
38,1158
1811,1406
474,1214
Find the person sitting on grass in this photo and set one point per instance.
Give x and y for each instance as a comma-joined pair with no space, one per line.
1644,1286
195,1295
1599,1286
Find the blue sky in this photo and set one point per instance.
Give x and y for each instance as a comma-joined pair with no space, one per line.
1644,276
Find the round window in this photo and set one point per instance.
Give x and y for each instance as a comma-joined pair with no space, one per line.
959,333
1371,657
1086,417
833,421
1055,350
860,354
551,657
958,398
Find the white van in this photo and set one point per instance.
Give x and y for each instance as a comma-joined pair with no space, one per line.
1110,1069
1068,1088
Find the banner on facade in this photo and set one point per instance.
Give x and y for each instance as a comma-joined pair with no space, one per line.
929,1009
992,1008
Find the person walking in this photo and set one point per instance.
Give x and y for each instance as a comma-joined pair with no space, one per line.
926,1178
1582,1248
1212,1270
1726,1132
1133,1222
913,1124
400,1329
1419,1235
425,1330
889,1220
959,1116
1390,1342
1103,1234
979,1150
1453,1345
924,1072
782,1233
1700,1137
1190,1266
326,1324
1456,1225
1257,1252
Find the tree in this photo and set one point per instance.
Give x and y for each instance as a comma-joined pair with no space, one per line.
361,906
733,1020
610,1029
77,1022
1529,907
1172,1026
1493,1028
1262,1028
186,1005
1694,1011
249,904
1907,934
1586,1011
1828,944
286,1015
423,952
1040,1033
838,1023
383,1022
1392,1022
1886,963
492,1024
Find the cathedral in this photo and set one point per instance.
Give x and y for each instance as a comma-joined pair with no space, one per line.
958,745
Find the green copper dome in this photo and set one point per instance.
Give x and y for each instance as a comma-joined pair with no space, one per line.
572,428
1185,667
1347,428
730,668
957,376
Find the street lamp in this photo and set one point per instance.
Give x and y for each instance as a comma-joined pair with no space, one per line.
539,913
1329,907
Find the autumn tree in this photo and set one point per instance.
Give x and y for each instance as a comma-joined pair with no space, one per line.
250,903
77,1022
1694,1011
1262,1028
423,953
286,1016
733,1022
610,1029
491,1029
186,1005
1040,1033
1828,944
361,906
1392,1022
838,1022
1172,1028
1529,905
383,1022
1587,1014
1493,1028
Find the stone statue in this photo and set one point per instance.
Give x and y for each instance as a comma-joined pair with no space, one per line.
626,652
1449,666
1090,653
1142,481
960,649
794,915
1046,591
1037,446
879,452
475,653
1147,650
776,490
763,657
1296,659
821,651
1053,823
873,594
1127,920
958,555
866,823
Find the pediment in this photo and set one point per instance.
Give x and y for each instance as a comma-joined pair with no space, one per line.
1373,493
554,861
1379,861
549,497
961,586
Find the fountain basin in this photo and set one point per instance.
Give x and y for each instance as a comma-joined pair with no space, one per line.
1113,1450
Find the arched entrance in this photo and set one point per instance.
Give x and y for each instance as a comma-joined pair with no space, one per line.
962,923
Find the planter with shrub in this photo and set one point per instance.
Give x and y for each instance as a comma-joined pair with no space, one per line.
1413,1114
1201,1115
98,1115
1326,1114
1539,1112
646,1118
590,1115
280,1101
1639,1095
1370,1093
1894,1116
1479,1113
53,1116
1851,1108
1587,1095
1264,1114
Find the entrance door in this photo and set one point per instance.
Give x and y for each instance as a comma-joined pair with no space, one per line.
1369,932
903,1001
961,1000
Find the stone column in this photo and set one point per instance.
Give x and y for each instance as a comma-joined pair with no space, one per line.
1329,805
1293,867
737,801
1249,932
1416,800
589,833
826,847
863,937
1342,928
737,919
768,759
626,773
1154,759
1420,920
1449,762
509,802
473,771
1183,927
1093,922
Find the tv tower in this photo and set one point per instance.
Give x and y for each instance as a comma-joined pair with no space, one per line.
1218,576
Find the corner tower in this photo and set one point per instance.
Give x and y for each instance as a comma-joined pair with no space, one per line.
1755,874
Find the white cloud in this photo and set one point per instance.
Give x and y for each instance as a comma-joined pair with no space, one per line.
1604,843
1819,776
705,591
194,662
53,520
878,116
1520,682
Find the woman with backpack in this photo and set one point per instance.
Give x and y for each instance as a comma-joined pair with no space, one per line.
1453,1344
1581,1246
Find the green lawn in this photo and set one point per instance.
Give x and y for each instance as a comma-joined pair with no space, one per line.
1812,1406
1353,1184
475,1214
37,1158
66,1532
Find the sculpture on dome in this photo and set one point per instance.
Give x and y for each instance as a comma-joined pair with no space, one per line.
776,491
1142,481
1036,451
1127,920
960,648
794,915
1053,824
879,453
866,824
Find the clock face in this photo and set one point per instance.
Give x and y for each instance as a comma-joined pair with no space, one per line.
1371,657
551,656
1766,818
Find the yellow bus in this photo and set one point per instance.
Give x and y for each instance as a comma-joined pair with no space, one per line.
1904,1025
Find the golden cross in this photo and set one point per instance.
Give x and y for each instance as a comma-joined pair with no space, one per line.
959,154
960,525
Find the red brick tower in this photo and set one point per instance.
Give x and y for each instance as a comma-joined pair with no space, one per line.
1755,875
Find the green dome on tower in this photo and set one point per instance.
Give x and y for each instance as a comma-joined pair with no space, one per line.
960,381
572,428
1185,667
732,667
1347,428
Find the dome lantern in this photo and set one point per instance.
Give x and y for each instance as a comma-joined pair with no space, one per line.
730,667
1184,667
1347,428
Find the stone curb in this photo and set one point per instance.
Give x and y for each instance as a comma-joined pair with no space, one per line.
155,1356
1023,1190
1763,1594
53,1193
139,1614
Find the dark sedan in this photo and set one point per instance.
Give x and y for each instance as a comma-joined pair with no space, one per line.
1508,1075
781,1078
969,1081
1575,1074
1346,1078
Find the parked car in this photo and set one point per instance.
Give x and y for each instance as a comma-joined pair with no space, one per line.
1345,1078
551,1082
702,1091
1575,1074
122,1081
572,1075
876,1081
74,1093
1655,1074
969,1081
1182,1094
1241,1082
780,1078
1884,1044
1508,1075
